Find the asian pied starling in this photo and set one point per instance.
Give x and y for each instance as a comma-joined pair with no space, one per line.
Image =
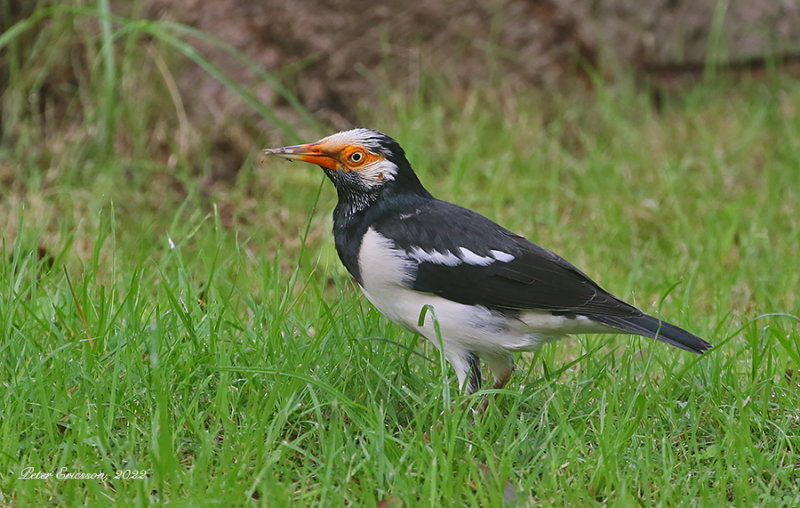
492,291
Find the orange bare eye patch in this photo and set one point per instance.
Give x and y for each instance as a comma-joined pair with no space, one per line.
355,157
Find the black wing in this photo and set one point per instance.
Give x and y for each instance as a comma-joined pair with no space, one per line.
535,279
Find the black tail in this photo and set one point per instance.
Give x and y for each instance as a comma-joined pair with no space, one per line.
657,329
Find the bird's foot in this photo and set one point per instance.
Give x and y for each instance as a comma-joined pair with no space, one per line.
499,384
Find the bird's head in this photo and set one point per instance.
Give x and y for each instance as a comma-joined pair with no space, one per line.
359,162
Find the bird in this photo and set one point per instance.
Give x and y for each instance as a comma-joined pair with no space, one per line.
493,292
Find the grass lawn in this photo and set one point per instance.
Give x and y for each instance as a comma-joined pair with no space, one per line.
200,344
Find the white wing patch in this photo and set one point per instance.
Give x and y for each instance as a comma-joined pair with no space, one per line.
503,257
471,258
445,258
464,256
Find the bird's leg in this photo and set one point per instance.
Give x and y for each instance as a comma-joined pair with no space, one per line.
475,380
474,373
468,370
500,383
502,366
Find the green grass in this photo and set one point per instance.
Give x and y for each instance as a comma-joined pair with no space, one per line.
209,337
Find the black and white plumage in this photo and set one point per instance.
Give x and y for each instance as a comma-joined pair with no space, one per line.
493,292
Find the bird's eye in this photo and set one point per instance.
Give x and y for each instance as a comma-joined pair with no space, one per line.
356,157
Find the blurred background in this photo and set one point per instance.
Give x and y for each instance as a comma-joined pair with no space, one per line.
210,62
193,89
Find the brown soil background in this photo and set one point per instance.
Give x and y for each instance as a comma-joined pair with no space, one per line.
338,56
334,53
